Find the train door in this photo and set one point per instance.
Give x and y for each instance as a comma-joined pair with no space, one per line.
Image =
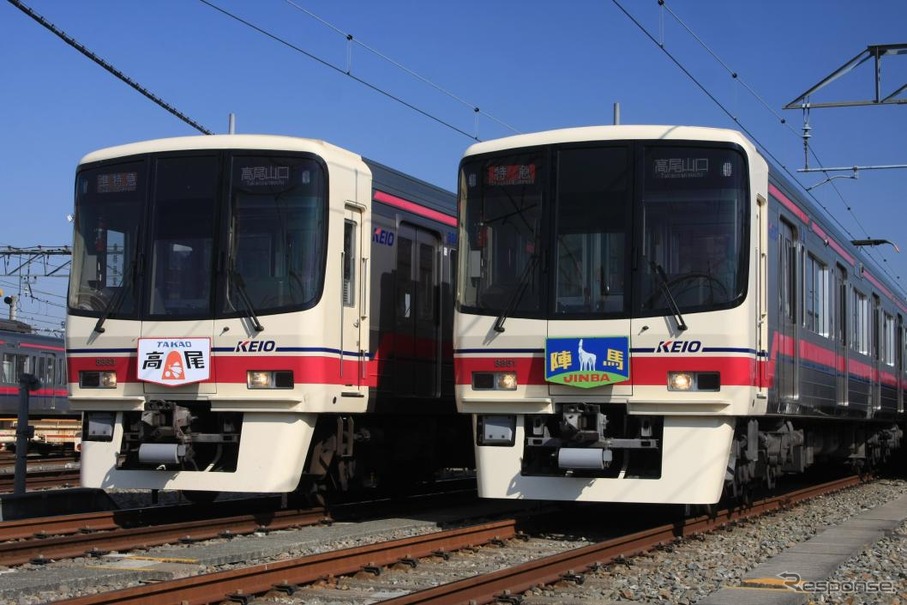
47,366
352,362
841,348
762,301
417,346
788,351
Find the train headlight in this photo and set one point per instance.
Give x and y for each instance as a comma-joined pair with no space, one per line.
694,381
98,380
269,379
494,381
680,381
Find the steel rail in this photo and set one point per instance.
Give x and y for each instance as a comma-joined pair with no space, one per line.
492,587
284,575
240,585
93,544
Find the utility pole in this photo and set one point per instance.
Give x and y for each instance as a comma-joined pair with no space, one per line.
30,263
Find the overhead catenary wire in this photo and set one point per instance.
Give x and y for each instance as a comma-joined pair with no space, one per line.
731,72
354,40
756,140
473,107
808,150
340,70
116,72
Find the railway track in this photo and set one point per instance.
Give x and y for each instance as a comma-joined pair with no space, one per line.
479,554
43,539
42,477
99,534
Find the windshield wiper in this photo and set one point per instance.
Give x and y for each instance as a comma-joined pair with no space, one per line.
666,290
518,293
240,285
117,301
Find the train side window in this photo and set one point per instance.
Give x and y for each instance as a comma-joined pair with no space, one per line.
816,296
425,304
888,333
404,277
860,323
876,321
8,369
841,305
14,366
349,263
788,272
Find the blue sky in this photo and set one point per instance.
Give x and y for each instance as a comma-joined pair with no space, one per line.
527,66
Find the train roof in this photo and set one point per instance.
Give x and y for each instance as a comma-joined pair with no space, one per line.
14,325
224,141
613,133
411,188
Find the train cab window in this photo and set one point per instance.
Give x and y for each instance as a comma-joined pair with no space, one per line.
277,235
182,243
501,207
109,214
592,230
695,213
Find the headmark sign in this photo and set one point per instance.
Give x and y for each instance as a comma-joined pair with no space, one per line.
587,362
174,361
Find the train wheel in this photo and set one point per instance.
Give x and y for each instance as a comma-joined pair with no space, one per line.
310,493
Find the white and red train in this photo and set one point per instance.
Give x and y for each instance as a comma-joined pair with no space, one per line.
261,314
643,314
654,314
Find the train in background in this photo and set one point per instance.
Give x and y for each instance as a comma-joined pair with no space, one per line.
57,428
256,313
655,314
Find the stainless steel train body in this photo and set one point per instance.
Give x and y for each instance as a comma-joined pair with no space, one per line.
246,311
24,352
653,314
53,424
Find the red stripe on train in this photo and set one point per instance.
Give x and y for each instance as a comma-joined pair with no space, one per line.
644,371
317,369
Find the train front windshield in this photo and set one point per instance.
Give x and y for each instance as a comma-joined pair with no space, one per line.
616,230
199,235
